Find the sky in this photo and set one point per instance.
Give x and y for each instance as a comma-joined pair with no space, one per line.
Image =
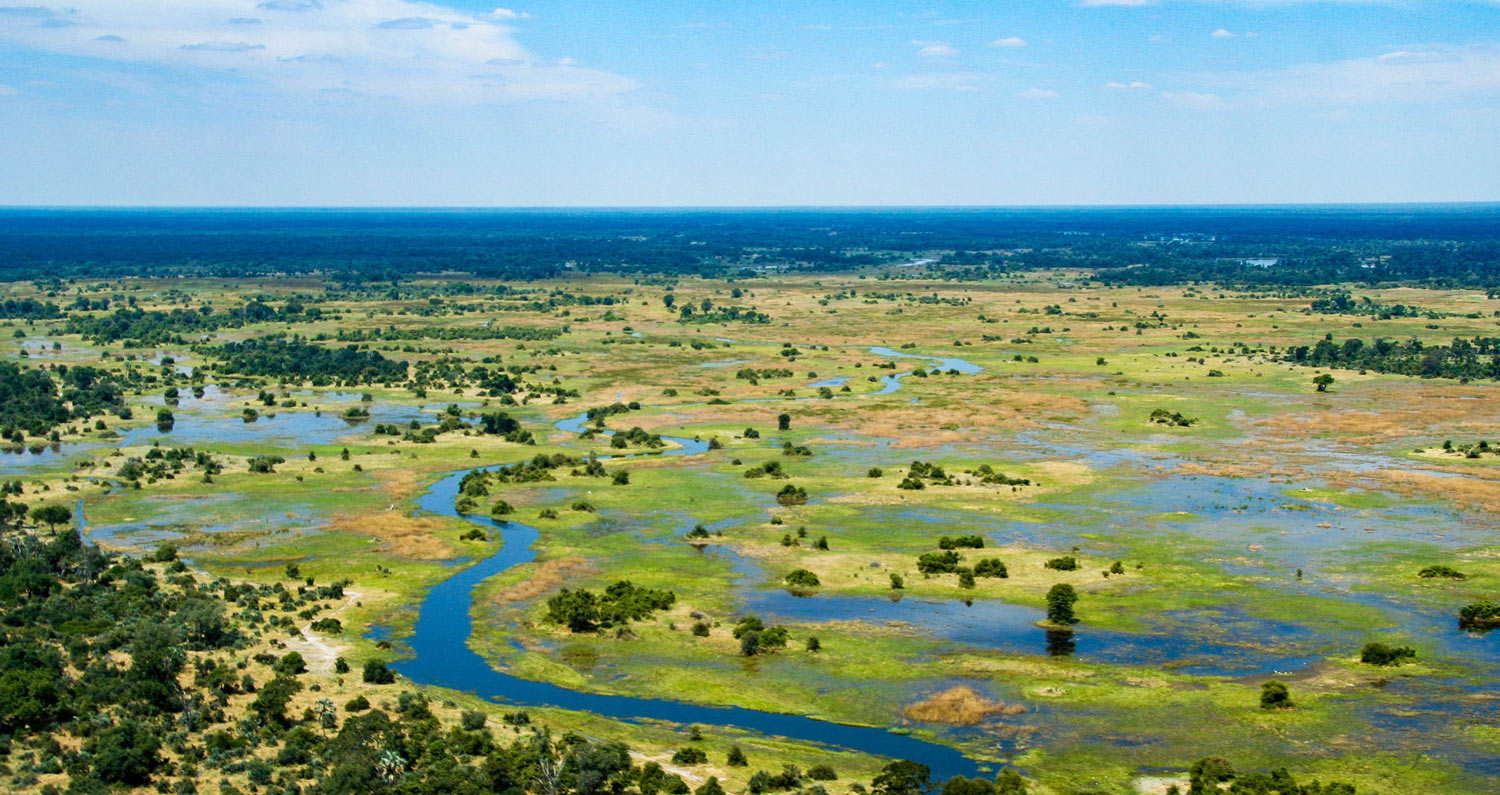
769,103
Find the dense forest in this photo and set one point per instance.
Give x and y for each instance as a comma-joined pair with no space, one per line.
1450,245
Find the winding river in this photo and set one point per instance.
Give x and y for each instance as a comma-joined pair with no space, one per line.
442,657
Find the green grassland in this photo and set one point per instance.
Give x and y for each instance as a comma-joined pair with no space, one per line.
1327,515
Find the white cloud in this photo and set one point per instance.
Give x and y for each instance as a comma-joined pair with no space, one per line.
1195,100
1418,75
1012,41
6,90
1134,85
503,14
1038,93
1222,34
935,49
410,50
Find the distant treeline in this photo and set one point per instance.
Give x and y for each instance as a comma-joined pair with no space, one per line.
1450,245
451,333
1463,358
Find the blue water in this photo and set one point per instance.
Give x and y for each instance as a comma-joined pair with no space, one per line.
443,658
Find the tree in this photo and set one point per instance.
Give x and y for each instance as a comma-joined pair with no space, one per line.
750,643
126,754
802,578
164,420
291,664
270,704
903,777
710,787
376,673
597,768
736,757
783,422
577,610
1060,601
1274,695
51,515
1323,381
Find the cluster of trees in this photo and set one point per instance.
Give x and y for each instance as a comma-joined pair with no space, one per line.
150,328
35,400
1216,774
1342,303
28,309
585,611
1463,358
299,361
1171,418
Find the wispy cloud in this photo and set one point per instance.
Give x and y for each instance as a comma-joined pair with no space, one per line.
966,82
1038,93
1011,41
935,49
1195,100
1415,75
1134,85
223,46
403,49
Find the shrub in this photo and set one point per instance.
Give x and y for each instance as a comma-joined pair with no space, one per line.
1376,653
802,578
1064,563
689,756
1274,695
376,673
991,567
1479,615
791,495
1445,572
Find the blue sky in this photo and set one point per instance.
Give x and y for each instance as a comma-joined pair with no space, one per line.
398,102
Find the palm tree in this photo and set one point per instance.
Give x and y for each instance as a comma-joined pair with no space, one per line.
390,765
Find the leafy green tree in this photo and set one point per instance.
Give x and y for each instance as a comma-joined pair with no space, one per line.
783,422
377,673
802,578
1060,601
51,515
271,702
903,777
1322,381
126,754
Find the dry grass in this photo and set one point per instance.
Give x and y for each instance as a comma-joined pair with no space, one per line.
960,706
549,576
404,536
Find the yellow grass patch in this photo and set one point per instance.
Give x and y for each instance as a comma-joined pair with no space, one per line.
404,536
960,706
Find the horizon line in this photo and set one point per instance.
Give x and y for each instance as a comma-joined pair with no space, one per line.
733,208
